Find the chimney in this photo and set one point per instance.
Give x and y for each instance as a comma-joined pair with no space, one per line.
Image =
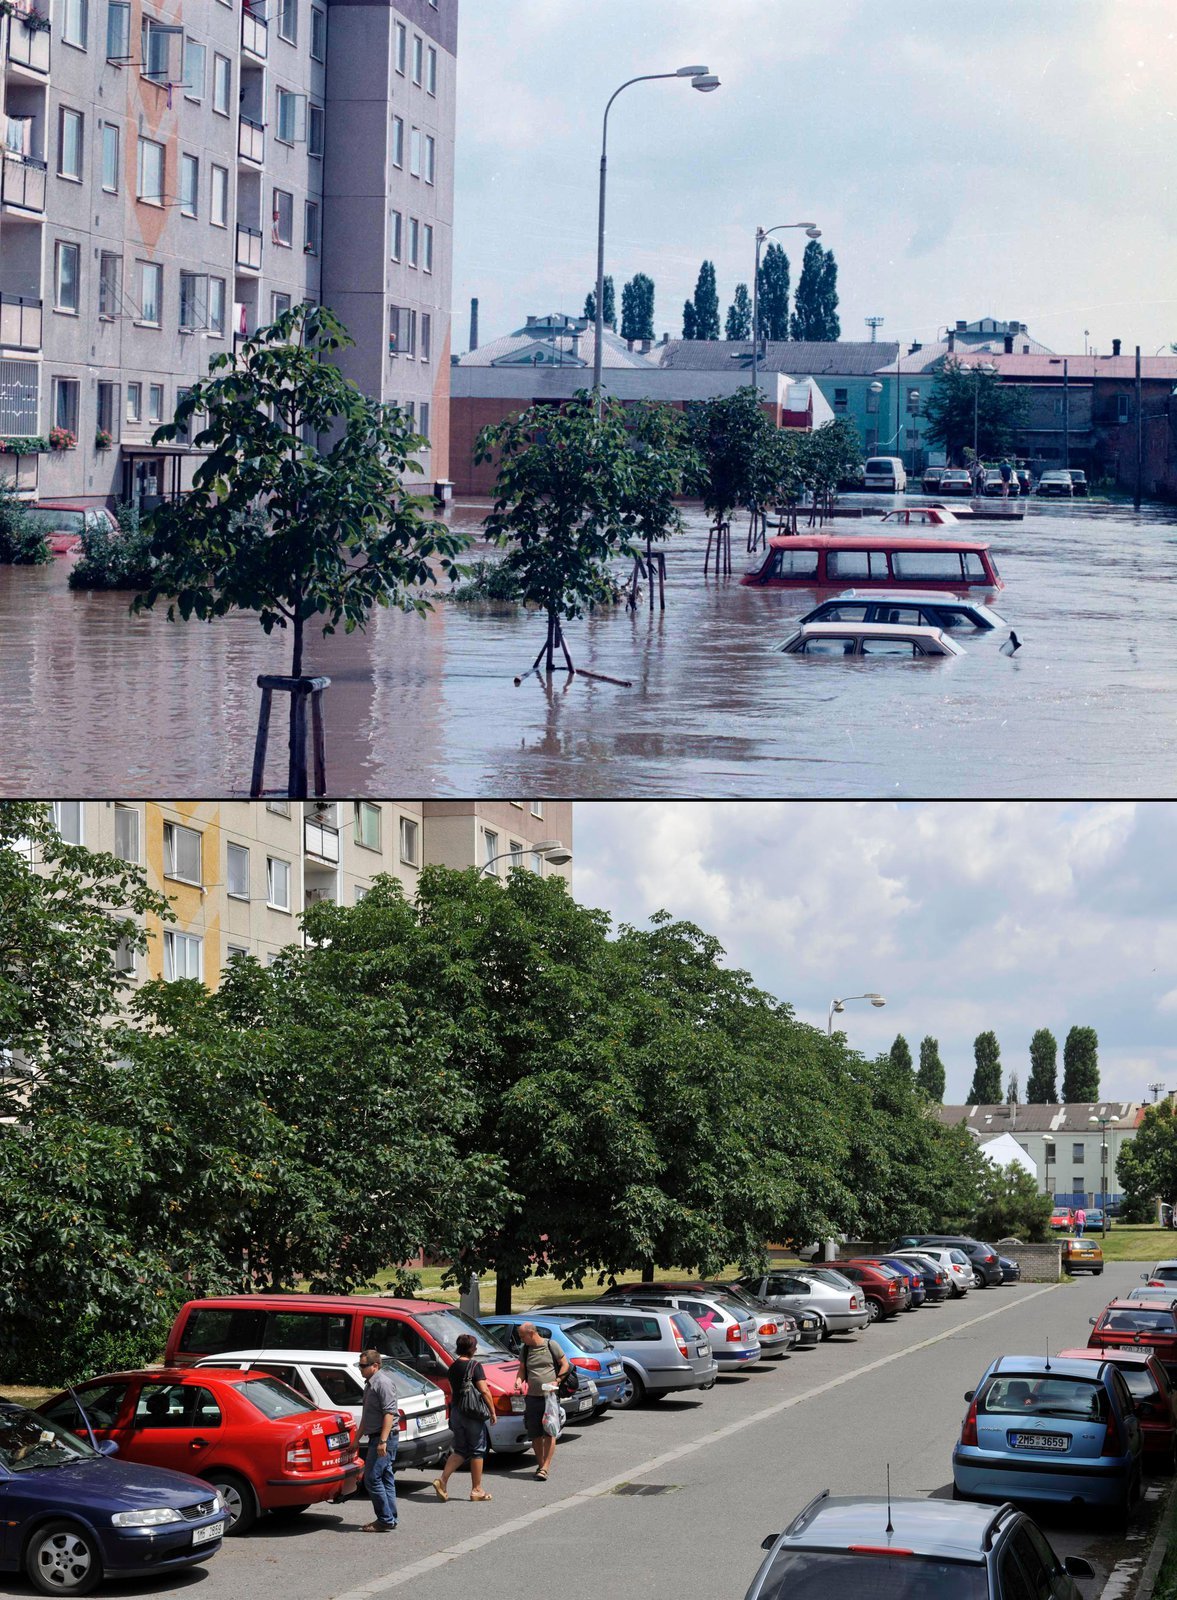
1008,343
474,324
665,338
629,344
1115,347
951,340
961,326
645,349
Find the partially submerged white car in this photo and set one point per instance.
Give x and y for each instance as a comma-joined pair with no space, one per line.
906,641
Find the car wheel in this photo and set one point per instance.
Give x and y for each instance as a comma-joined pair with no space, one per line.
978,1281
632,1393
62,1558
872,1310
240,1502
1097,1272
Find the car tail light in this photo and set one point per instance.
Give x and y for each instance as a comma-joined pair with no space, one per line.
1112,1443
854,1302
682,1344
968,1433
298,1453
991,1258
586,1361
735,1333
768,1327
879,1550
895,1288
402,1422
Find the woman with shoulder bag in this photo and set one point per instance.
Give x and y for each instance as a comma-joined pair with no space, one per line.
471,1408
541,1367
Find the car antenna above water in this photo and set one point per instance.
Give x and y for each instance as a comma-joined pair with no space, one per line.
890,1525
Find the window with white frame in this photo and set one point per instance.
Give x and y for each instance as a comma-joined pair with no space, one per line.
537,863
181,852
283,232
361,890
237,871
408,841
414,241
318,34
314,130
277,883
398,141
70,129
426,335
67,819
287,106
537,808
108,408
216,306
396,232
423,421
189,185
155,402
193,69
110,157
66,266
367,824
415,152
135,402
149,180
427,251
151,293
408,331
66,395
311,227
74,22
430,158
182,956
123,955
279,304
431,70
193,300
280,808
490,847
222,84
235,952
288,20
157,49
218,210
399,50
516,850
118,30
418,58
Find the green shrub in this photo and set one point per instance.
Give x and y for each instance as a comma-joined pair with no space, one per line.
22,542
487,580
114,560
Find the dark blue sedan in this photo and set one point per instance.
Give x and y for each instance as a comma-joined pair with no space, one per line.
70,1516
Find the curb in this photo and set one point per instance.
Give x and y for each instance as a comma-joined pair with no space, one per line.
1160,1546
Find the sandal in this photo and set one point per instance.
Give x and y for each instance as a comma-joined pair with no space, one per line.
440,1489
541,1474
480,1494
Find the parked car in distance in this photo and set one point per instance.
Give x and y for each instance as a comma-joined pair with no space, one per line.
876,639
331,1380
1156,1404
920,517
930,608
729,1326
954,1263
884,472
839,1308
933,1278
1149,1325
62,523
260,1445
931,478
911,1275
1062,1219
778,1331
1046,1430
885,1292
861,1546
1078,480
1165,1296
1094,1221
602,1375
1164,1273
99,1518
884,558
956,480
986,1267
1055,485
662,1349
1082,1255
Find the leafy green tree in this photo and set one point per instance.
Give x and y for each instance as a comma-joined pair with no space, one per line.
608,300
662,470
986,1085
816,300
827,298
22,541
1011,1206
1080,1066
773,293
1011,1090
829,454
1042,1084
1001,409
732,439
637,308
930,1076
739,315
706,303
563,505
340,531
690,328
900,1054
1146,1166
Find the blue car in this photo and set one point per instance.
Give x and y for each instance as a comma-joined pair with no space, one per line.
588,1350
911,1275
1040,1429
70,1516
932,1281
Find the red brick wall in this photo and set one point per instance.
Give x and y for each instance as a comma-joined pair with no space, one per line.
468,417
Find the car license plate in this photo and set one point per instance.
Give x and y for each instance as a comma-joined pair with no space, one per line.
586,1404
214,1530
702,1349
337,1441
613,1371
1040,1441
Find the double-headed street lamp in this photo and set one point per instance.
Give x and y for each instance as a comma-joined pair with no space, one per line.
1103,1163
813,232
702,80
553,851
840,1005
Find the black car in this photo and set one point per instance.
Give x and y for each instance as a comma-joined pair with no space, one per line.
1078,480
986,1267
1010,1271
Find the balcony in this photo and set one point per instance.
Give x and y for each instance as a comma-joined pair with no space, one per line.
27,48
20,383
249,248
321,841
22,184
254,33
19,472
20,322
251,142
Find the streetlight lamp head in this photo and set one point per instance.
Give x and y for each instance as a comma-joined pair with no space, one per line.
876,1000
544,845
812,232
558,855
876,387
839,1006
705,82
689,72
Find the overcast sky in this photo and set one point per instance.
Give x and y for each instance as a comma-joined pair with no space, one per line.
1013,158
964,916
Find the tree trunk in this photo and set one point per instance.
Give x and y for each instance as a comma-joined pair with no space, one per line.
296,784
647,1271
502,1295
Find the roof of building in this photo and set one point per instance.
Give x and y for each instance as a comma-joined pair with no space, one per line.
555,341
988,1121
967,353
1005,1151
1037,365
836,358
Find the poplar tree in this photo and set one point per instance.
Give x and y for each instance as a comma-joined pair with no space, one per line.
772,310
901,1054
706,303
1042,1084
815,305
930,1076
739,314
590,305
689,325
1080,1066
637,308
986,1088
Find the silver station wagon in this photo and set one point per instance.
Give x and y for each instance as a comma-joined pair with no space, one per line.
662,1349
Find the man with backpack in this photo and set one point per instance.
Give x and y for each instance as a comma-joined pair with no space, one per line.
541,1367
471,1408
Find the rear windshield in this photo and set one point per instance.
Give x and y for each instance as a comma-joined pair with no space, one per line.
585,1335
1083,1399
686,1325
1140,1381
1139,1320
879,466
57,521
443,1327
817,1574
273,1398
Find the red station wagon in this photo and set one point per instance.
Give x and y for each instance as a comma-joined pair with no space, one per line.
1156,1406
1139,1325
868,561
884,1291
248,1434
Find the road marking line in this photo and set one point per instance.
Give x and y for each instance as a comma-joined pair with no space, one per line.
440,1558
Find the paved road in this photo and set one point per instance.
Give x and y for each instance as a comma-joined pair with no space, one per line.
736,1464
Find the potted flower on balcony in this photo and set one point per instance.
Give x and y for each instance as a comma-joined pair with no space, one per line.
23,444
102,440
61,439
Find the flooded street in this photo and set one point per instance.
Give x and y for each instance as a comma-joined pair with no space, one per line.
99,703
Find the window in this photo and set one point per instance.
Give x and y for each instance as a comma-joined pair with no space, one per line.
108,407
67,819
189,185
192,70
430,157
367,825
181,956
193,296
410,410
149,186
218,210
280,808
423,424
222,84
311,227
134,402
431,70
397,228
110,157
427,258
279,305
415,152
118,30
70,126
216,306
286,104
401,38
537,808
277,883
426,335
124,961
110,267
408,331
65,404
516,854
318,34
155,402
235,952
181,853
237,871
314,130
75,22
490,843
841,399
414,240
66,261
398,141
283,217
288,20
184,431
1077,1154
418,57
408,841
537,863
157,49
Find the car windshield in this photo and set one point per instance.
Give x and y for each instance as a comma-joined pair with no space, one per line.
273,1398
816,1574
29,1440
1165,1274
1138,1320
444,1327
1035,1395
56,521
586,1336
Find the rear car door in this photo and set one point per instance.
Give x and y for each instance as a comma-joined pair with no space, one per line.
176,1425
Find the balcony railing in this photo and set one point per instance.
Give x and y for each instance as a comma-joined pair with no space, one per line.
254,33
28,42
22,182
321,841
251,139
249,247
19,472
19,390
20,322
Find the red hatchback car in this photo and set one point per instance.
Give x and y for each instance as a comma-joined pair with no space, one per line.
884,1291
247,1433
1138,1325
1152,1393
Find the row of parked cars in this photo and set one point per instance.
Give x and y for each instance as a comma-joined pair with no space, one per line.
1059,483
256,1408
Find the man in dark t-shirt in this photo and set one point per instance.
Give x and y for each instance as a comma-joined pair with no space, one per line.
471,1440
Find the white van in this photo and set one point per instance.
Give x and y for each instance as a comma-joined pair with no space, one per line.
886,473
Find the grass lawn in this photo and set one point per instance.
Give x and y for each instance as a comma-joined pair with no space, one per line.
1136,1242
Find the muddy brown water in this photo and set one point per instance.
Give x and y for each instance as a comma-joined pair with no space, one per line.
98,702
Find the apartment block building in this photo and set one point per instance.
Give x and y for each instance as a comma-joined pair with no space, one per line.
240,872
176,173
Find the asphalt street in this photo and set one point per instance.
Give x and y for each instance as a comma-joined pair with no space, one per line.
732,1466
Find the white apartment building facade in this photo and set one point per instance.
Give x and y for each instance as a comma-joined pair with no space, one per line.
177,172
1065,1142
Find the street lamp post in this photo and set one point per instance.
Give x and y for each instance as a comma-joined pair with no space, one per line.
551,850
1103,1164
840,1005
812,231
702,80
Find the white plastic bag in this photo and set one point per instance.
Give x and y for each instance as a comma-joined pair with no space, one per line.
553,1415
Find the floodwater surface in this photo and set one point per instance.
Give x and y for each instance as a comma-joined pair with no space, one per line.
97,702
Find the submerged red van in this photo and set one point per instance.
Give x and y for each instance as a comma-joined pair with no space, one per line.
874,560
421,1333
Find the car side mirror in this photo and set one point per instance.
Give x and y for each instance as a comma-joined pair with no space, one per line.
1092,1321
969,1393
1076,1567
769,1540
108,1447
1144,1277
